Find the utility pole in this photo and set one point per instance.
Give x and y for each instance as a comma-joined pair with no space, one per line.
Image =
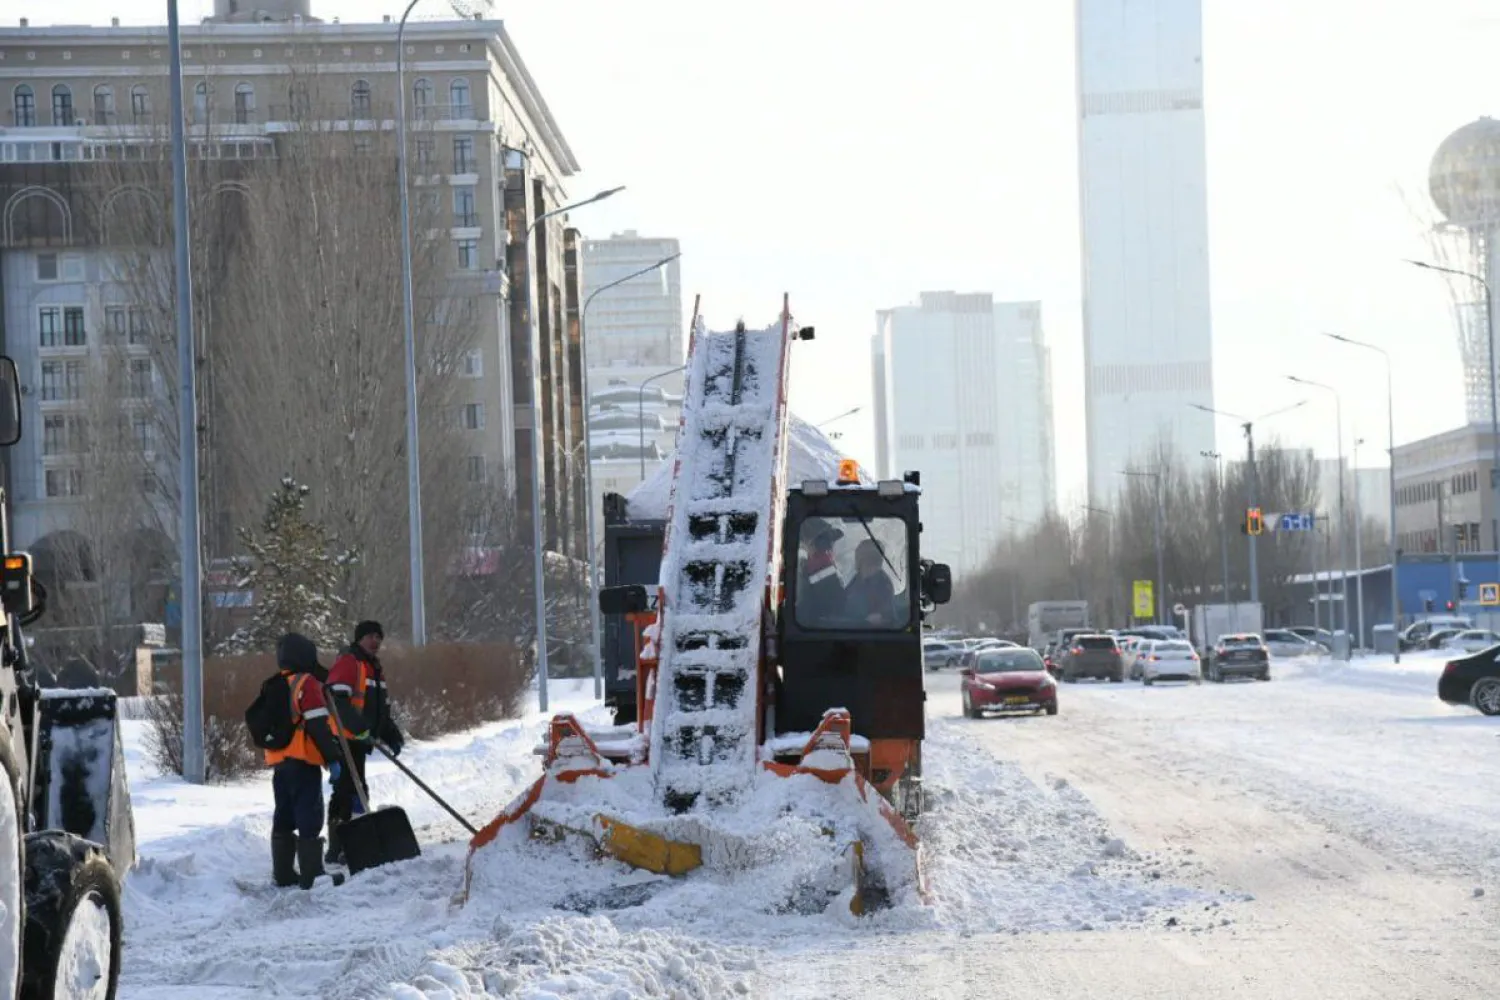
1359,558
1253,485
1218,461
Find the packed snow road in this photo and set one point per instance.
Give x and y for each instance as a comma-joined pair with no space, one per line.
1323,835
1354,818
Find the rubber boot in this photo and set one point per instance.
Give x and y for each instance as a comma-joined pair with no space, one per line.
335,855
284,859
310,863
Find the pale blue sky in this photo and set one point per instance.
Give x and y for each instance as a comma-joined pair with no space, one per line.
856,152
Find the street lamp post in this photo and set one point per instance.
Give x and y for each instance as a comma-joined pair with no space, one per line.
1390,411
588,447
1109,545
1218,461
1252,480
1489,326
190,597
640,411
413,456
1359,558
537,531
1161,578
1338,418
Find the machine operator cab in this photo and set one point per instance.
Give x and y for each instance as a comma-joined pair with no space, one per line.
854,593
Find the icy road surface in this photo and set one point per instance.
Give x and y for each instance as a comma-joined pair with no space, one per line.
1334,833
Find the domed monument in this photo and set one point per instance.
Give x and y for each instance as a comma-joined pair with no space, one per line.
1464,181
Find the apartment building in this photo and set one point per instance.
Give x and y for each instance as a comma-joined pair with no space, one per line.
1443,503
485,154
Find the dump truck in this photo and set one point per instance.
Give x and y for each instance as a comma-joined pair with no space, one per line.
780,645
67,835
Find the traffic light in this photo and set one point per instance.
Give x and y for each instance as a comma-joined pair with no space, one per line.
1463,589
1254,525
1428,603
1450,606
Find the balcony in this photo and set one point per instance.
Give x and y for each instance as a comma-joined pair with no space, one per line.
104,116
465,165
444,112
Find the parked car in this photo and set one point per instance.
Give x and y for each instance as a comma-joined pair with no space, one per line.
1474,640
937,653
1417,634
1242,654
1169,660
1008,680
1472,680
1321,636
1093,656
1441,638
1130,654
1284,642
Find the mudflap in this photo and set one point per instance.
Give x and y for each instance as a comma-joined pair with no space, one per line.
78,766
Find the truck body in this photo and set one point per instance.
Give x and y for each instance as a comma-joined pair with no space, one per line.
1044,619
1210,621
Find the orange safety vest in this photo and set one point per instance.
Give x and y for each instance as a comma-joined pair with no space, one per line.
302,747
364,677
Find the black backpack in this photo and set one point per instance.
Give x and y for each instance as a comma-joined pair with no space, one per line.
269,717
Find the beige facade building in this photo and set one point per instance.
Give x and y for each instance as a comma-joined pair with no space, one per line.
486,157
1443,500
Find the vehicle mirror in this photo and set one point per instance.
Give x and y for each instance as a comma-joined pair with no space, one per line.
626,600
938,582
10,403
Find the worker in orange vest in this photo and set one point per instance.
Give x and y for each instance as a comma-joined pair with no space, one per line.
356,684
297,770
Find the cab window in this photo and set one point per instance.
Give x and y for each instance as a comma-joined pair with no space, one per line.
852,574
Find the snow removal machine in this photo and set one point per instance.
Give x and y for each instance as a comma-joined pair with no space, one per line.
66,830
779,685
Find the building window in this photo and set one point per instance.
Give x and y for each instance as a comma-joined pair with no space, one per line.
54,435
61,380
140,104
46,267
64,482
74,334
473,364
114,324
200,101
62,105
464,215
144,432
25,106
104,105
468,255
421,98
458,98
476,468
301,104
463,154
473,417
424,151
363,145
359,98
244,104
139,384
49,322
139,333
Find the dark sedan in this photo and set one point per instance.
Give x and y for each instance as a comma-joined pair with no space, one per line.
1473,680
1241,655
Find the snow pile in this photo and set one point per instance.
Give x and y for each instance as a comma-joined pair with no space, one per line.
810,455
1006,854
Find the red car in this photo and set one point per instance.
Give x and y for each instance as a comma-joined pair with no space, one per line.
1008,680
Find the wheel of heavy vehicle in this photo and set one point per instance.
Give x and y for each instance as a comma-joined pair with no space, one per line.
12,864
73,931
1485,696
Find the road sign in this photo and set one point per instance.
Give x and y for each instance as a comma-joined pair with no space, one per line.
1145,599
1296,522
1179,609
1489,594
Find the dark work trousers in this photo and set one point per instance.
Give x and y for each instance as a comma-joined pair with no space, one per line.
344,802
298,787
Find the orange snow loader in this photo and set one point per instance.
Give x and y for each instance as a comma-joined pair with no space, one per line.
783,641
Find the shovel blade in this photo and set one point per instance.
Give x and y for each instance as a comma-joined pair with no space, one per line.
378,838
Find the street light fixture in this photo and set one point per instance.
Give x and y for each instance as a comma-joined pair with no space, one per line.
1489,325
1252,481
1338,418
1390,414
1161,578
588,449
841,416
537,532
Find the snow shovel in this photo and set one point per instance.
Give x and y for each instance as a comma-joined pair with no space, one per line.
473,831
378,836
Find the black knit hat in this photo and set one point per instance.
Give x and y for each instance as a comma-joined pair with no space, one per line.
368,628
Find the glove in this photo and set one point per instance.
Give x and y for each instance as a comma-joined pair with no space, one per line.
335,770
394,748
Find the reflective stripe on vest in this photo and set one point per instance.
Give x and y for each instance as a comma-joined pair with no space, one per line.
302,747
364,680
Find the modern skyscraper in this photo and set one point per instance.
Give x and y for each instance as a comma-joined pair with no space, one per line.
1148,350
962,393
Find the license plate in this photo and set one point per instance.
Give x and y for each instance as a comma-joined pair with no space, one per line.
1018,699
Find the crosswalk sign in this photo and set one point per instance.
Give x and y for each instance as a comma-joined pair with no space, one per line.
1489,594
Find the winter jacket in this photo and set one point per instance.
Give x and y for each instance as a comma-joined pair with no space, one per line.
871,600
358,682
313,741
820,592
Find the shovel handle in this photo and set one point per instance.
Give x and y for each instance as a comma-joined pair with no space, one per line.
423,785
338,731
